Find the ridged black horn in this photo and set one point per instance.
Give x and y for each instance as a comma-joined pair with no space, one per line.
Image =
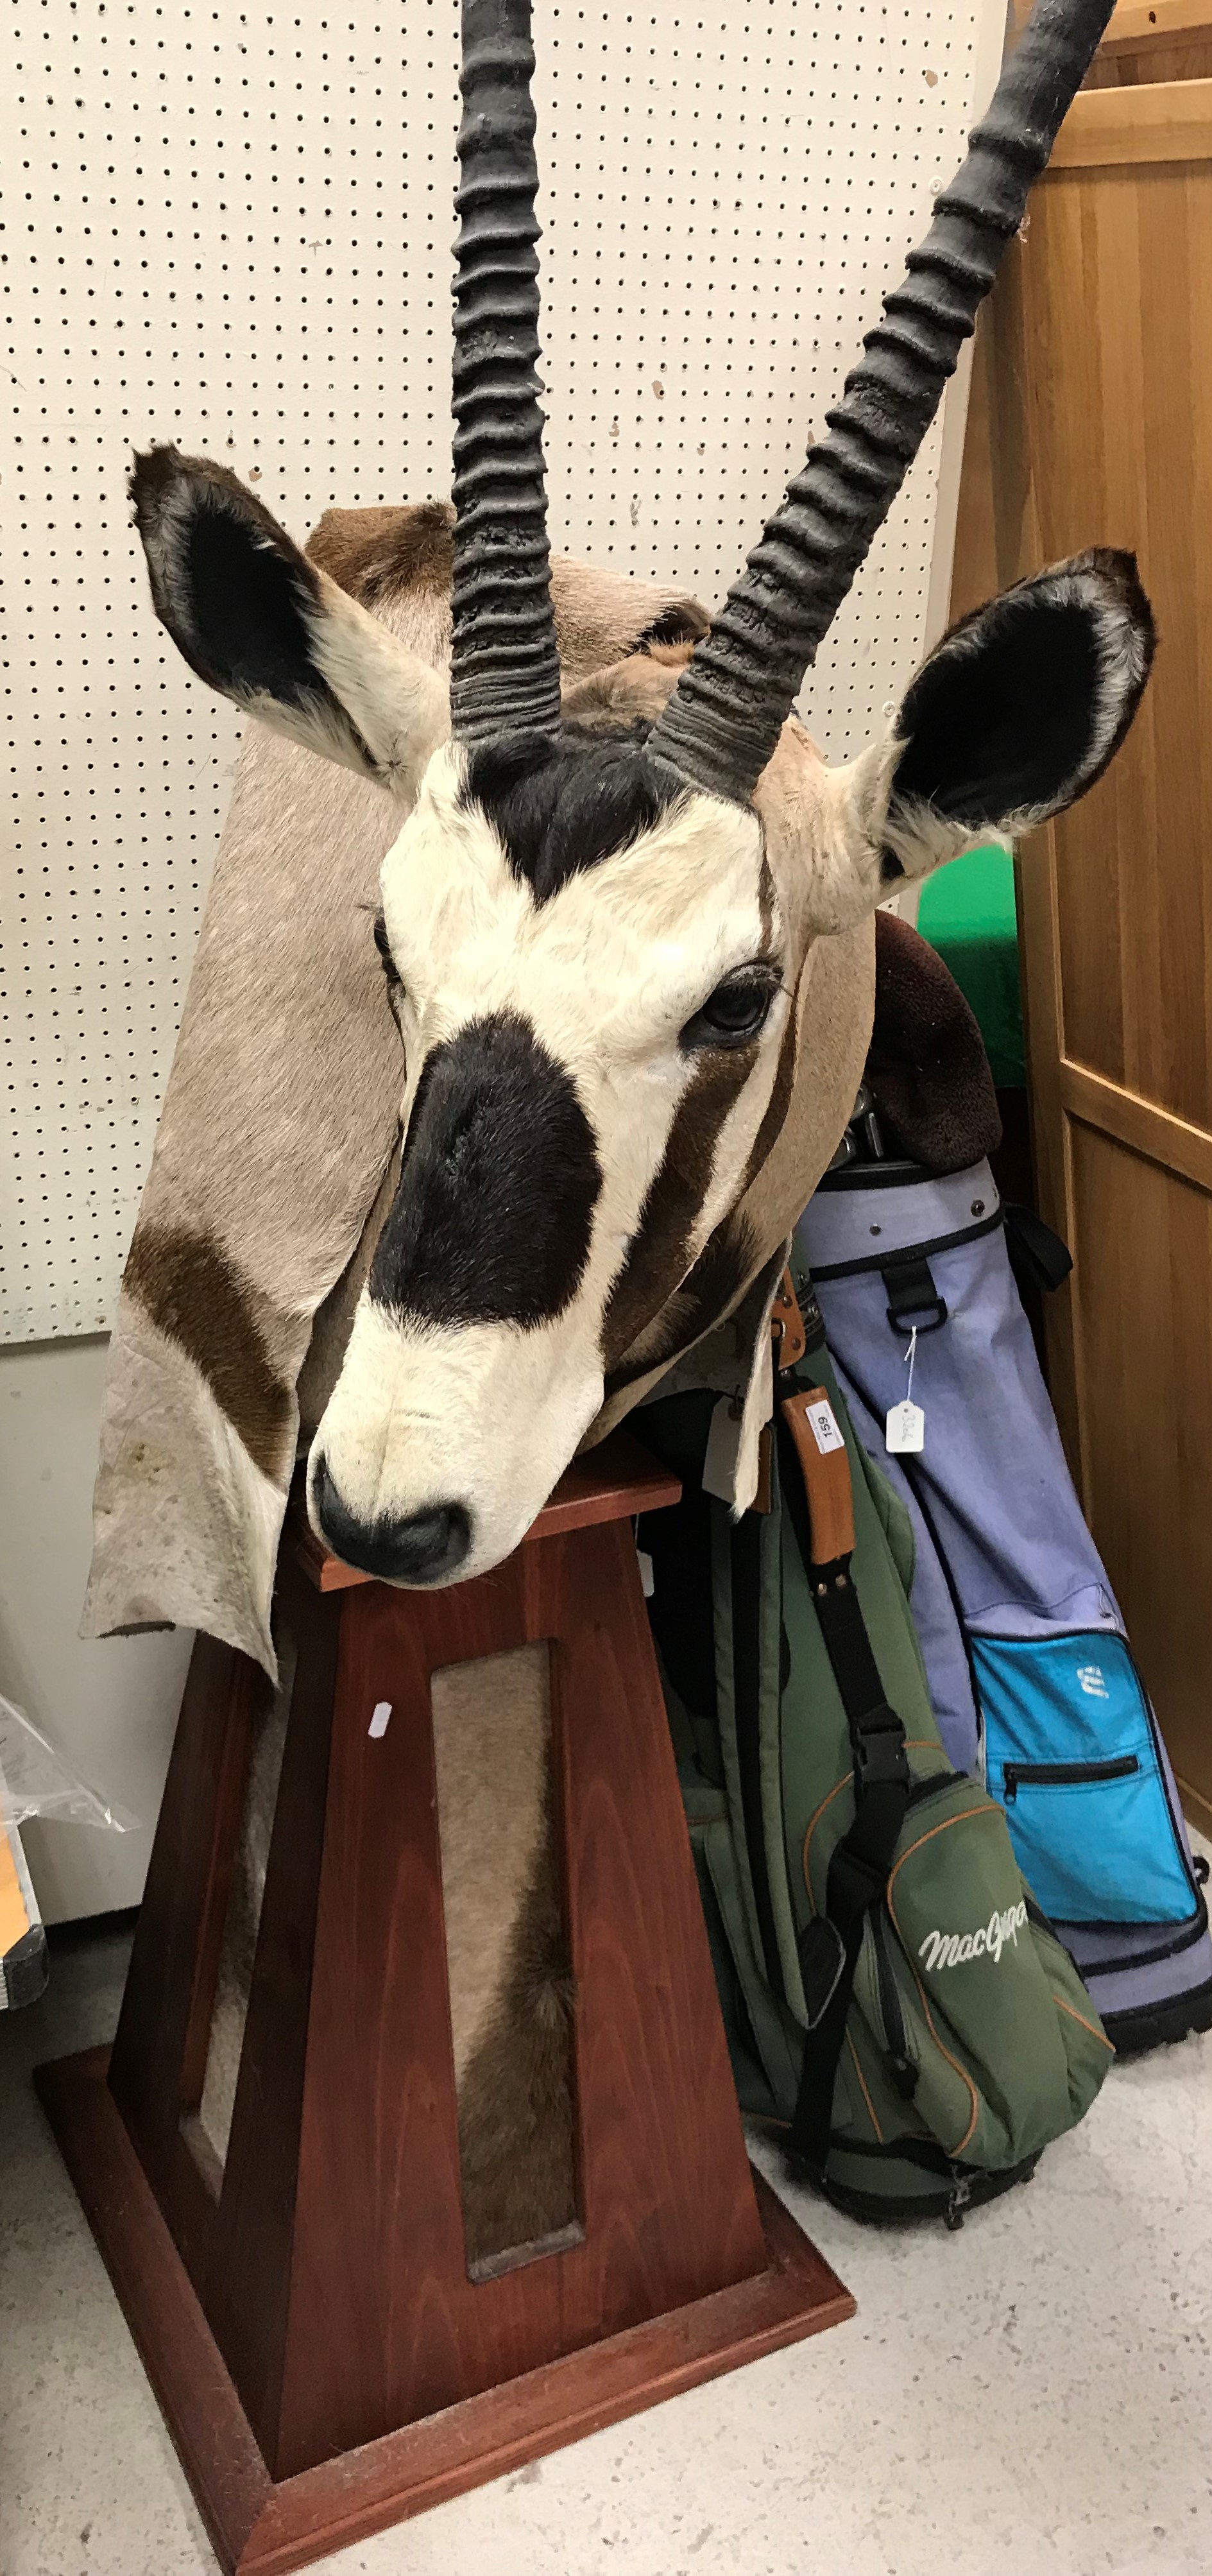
505,672
724,718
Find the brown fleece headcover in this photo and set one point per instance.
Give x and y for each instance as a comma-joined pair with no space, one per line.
927,1068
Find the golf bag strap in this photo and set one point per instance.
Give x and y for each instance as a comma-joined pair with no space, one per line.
858,1871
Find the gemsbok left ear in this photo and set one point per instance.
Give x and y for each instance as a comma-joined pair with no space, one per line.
268,629
1010,719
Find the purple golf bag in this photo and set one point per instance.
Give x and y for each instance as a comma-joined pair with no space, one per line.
1031,1674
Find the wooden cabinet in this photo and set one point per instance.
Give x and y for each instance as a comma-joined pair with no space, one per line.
1091,424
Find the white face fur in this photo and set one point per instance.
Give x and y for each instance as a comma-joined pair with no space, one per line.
608,973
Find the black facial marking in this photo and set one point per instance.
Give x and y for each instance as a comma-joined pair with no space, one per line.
566,803
491,1222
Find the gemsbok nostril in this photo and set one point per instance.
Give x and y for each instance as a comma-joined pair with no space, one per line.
424,1547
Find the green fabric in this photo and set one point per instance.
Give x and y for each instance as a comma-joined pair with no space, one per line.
970,2039
968,913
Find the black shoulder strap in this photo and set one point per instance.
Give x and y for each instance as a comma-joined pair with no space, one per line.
858,1871
1038,1258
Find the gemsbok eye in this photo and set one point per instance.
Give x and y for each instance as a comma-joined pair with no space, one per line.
736,1012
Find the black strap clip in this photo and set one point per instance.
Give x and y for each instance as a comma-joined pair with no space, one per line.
914,1304
1038,1258
880,1758
822,1957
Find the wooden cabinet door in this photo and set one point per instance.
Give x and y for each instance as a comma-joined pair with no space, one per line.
1092,425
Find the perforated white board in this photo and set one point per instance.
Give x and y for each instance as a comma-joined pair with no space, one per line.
234,229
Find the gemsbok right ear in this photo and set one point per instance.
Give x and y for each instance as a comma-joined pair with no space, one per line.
268,629
1020,707
1009,720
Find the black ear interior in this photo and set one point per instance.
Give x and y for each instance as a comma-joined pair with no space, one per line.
1024,703
1005,720
245,602
228,583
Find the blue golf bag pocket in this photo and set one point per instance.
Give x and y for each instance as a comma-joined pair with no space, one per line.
1072,1752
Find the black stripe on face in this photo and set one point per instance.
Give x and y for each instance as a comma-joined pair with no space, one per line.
491,1222
724,1267
658,1255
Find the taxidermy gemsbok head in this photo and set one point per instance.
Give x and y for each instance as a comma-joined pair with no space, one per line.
595,919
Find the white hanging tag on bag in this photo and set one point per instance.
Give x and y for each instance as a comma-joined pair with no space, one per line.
905,1423
905,1428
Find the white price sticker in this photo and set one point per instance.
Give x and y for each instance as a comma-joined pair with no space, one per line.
822,1423
905,1428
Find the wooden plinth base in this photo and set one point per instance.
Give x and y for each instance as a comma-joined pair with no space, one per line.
262,2528
330,2349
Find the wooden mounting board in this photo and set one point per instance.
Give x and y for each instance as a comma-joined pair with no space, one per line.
262,2529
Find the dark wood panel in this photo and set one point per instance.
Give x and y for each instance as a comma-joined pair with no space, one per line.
385,2324
668,2205
345,2098
374,2332
340,2367
160,2050
247,2290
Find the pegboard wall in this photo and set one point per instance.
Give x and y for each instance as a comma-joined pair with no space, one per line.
233,229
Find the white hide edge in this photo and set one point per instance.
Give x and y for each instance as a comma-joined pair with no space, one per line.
758,1410
207,1559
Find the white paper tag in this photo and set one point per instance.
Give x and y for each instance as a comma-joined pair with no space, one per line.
822,1422
723,1443
905,1428
647,1576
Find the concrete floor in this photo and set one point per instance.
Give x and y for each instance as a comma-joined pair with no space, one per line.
1031,2397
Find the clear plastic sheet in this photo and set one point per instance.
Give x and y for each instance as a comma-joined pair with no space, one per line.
35,1780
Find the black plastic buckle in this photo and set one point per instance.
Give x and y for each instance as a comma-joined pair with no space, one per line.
880,1758
914,1303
